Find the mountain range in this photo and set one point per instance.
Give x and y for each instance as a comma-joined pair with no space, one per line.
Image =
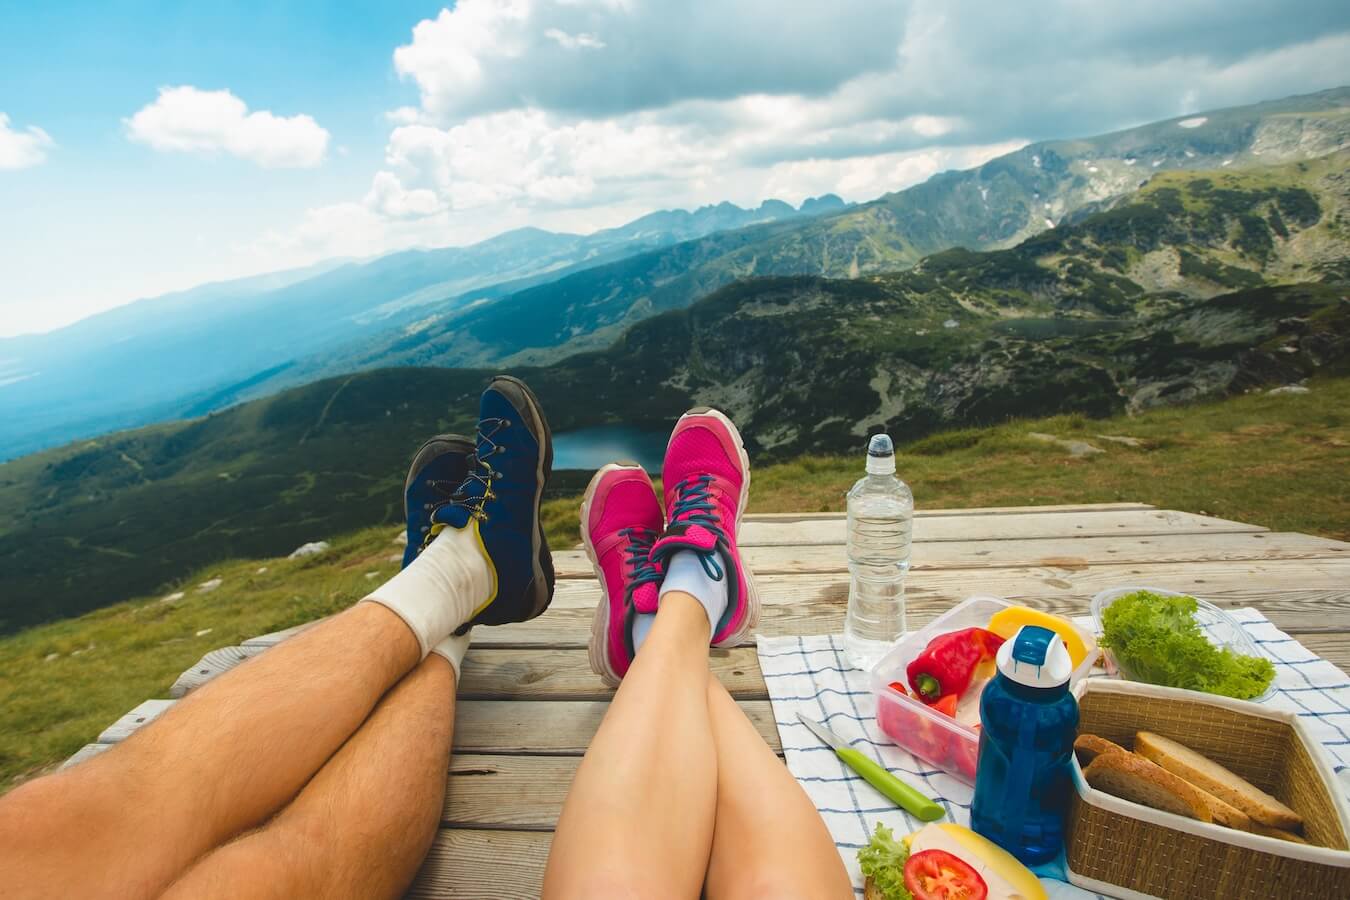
191,352
531,297
1197,284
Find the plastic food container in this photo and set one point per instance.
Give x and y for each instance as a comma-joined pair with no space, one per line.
1217,625
927,733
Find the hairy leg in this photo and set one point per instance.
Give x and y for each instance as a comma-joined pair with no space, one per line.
361,827
769,840
129,821
638,819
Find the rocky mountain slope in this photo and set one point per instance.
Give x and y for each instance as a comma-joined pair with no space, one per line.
1200,285
192,352
993,206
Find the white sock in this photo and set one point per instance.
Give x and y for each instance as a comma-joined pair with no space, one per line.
453,649
442,588
685,573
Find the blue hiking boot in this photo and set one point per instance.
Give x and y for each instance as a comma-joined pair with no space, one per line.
499,499
438,469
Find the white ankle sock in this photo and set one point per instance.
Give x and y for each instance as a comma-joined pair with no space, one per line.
685,573
453,649
441,589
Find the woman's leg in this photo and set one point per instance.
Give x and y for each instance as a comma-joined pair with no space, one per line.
361,827
638,821
769,841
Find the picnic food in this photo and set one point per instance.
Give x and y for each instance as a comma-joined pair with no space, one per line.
1258,828
948,663
1214,778
939,857
1007,622
1088,747
1158,640
1131,777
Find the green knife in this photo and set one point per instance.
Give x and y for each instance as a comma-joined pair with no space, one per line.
895,790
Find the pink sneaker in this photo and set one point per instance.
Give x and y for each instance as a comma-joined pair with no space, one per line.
620,518
707,480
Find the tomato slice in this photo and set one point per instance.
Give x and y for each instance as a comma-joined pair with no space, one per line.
947,705
938,875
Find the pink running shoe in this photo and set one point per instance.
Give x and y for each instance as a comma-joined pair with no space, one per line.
707,480
620,518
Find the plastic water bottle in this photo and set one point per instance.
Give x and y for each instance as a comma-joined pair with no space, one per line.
1029,719
880,525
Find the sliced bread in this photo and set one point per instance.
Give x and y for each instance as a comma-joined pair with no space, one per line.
1209,776
1131,777
1258,828
1088,747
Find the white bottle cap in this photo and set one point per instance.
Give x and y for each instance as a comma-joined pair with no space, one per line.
880,455
1035,657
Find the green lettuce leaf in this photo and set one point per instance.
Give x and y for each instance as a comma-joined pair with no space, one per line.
883,860
1157,639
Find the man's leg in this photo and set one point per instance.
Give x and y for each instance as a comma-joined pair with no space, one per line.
769,840
129,821
638,821
361,827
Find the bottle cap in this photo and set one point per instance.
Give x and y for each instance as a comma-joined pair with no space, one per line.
1035,657
880,455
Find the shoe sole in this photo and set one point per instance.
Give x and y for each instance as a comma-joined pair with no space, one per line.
598,649
543,560
752,601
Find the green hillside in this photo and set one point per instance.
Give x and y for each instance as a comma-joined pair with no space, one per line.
1275,460
993,206
1131,308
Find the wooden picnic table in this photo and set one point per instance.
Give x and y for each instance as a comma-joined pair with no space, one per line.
529,704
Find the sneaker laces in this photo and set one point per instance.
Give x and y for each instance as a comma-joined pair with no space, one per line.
694,505
467,494
645,569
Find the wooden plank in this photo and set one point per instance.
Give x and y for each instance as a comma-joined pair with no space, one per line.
124,727
555,726
831,530
535,674
1066,553
209,666
483,865
88,751
507,791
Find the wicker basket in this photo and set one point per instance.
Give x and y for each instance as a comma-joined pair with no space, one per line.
1123,849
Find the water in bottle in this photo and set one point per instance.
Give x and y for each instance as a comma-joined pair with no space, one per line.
1029,719
880,524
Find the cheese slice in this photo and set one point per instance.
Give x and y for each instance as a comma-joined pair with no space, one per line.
1004,876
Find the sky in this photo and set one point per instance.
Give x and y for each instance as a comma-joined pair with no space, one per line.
147,147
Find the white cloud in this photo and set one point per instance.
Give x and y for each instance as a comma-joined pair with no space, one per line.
578,114
192,120
567,41
22,149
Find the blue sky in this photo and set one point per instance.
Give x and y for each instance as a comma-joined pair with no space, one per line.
355,129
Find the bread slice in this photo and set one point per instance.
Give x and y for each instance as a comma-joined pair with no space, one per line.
1209,776
1225,813
1258,828
1131,777
1088,747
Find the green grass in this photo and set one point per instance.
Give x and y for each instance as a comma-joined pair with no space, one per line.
1278,461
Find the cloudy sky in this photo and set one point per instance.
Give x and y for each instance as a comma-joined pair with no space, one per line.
148,147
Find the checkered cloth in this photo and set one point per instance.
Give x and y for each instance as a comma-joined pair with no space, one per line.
810,675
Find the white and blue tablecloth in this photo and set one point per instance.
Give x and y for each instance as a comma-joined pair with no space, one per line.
810,675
